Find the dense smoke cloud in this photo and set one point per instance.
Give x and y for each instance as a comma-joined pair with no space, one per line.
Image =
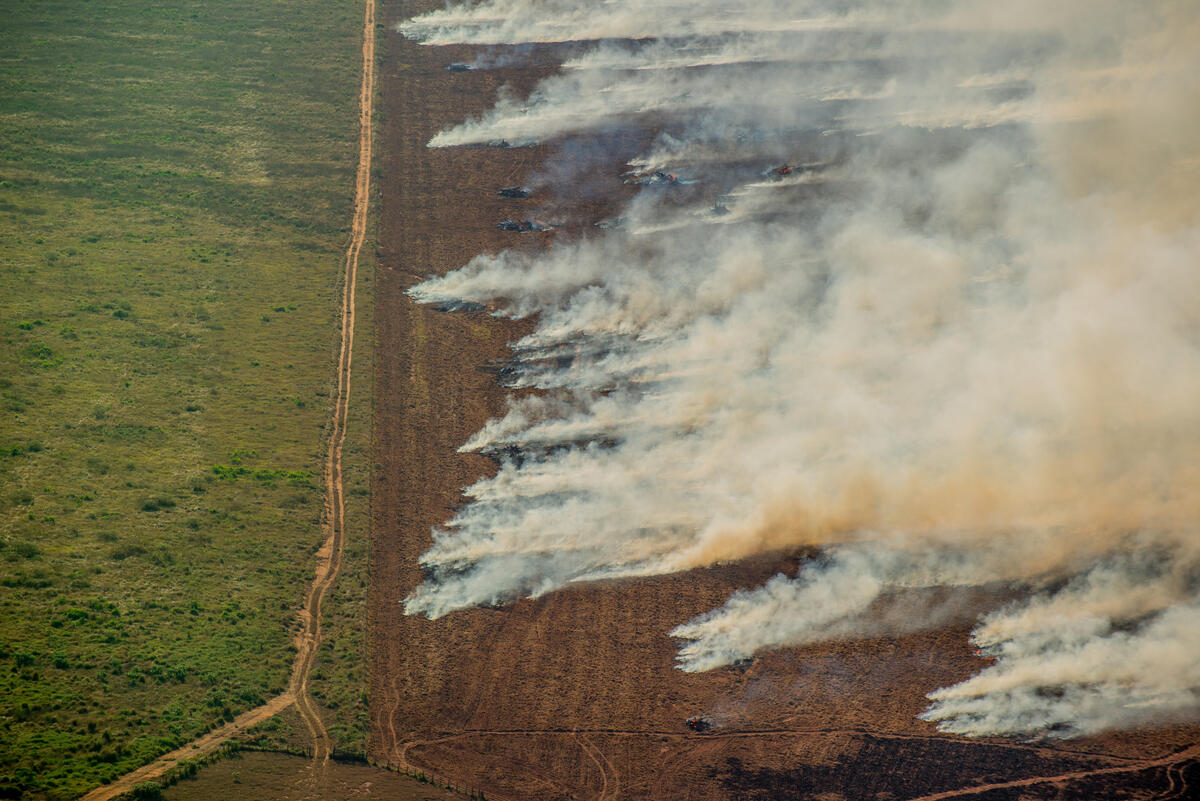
955,340
1116,648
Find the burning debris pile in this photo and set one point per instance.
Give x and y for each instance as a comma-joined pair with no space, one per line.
965,358
514,192
524,226
459,306
660,178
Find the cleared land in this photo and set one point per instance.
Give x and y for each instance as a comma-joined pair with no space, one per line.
174,201
280,777
575,695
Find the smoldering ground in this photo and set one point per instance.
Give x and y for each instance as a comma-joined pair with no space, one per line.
959,348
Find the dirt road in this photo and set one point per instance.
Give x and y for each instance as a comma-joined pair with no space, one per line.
197,748
329,556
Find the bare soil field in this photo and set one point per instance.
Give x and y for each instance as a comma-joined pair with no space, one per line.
282,777
575,695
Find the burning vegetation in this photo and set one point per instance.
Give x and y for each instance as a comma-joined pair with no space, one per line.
966,358
524,226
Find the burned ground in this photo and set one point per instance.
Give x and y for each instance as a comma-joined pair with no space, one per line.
575,695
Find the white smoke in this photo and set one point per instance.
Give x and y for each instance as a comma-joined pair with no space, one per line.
520,21
1117,648
956,340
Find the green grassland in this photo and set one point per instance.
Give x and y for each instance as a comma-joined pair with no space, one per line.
175,193
339,677
339,680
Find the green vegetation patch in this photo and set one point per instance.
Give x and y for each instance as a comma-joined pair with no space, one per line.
339,679
175,193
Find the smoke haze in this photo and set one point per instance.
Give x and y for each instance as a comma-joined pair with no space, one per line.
956,342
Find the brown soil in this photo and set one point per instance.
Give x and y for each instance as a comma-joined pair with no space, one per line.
280,777
575,695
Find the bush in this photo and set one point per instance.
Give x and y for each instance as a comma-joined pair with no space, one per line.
23,550
157,504
125,551
148,791
39,355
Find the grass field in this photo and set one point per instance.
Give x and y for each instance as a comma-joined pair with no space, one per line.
175,193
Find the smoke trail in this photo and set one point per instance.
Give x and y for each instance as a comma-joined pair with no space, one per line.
1080,662
913,281
519,21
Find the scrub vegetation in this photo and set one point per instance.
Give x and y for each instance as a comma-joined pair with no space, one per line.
175,195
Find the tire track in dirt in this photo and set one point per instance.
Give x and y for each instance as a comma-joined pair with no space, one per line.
610,786
1169,761
605,766
197,748
329,556
399,761
1045,751
1171,791
1180,770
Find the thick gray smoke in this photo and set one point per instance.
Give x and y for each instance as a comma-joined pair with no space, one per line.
924,291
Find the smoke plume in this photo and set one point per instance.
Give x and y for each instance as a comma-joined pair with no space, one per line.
915,282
